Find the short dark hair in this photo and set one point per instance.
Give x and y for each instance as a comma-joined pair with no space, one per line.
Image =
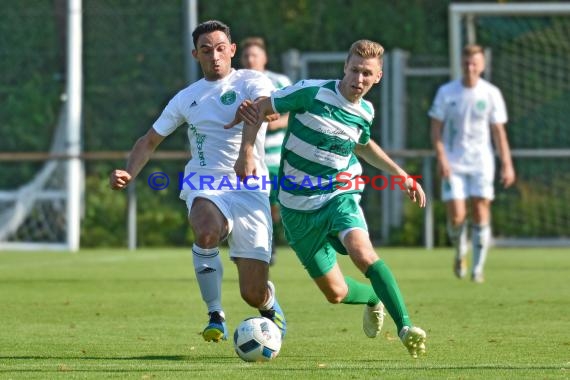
209,27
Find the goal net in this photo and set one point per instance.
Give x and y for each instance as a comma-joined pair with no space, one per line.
528,51
40,203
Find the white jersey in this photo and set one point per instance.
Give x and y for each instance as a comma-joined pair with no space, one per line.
207,106
278,80
467,114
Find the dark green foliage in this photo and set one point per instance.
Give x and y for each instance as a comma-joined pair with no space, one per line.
333,25
30,85
104,219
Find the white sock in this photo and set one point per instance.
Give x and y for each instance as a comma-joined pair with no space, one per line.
458,236
481,240
209,273
269,304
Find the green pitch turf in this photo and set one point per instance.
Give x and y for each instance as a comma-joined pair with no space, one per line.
138,315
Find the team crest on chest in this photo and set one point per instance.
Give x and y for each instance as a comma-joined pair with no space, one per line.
480,105
228,98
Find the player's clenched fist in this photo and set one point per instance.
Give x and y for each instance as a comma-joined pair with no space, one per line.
119,179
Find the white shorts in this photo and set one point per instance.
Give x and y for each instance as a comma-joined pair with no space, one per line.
249,220
463,186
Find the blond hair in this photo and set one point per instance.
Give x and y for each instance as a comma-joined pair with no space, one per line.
366,49
252,41
471,50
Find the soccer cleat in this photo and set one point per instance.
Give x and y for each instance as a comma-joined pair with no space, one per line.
414,338
216,329
460,267
478,278
373,319
275,313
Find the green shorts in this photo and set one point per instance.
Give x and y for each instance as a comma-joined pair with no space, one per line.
273,173
314,235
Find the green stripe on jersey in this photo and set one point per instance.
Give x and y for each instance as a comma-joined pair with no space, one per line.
273,149
347,119
342,147
309,167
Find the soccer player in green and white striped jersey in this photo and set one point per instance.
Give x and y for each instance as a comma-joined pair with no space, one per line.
254,57
329,125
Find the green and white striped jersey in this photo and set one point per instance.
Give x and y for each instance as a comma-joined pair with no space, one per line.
318,162
274,139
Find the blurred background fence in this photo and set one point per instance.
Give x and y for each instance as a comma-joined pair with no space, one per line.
135,60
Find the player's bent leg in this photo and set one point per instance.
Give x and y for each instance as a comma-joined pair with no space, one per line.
258,291
414,339
216,329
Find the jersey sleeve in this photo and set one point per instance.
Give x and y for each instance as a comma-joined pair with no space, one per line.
365,135
296,98
259,85
283,81
499,111
437,109
170,119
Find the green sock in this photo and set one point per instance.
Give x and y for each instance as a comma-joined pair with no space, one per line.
387,289
359,293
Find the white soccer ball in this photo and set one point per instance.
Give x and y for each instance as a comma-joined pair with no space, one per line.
257,339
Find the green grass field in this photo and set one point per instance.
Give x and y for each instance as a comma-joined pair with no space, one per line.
119,314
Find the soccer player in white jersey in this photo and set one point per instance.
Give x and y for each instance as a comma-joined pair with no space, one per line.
218,206
254,57
465,114
319,192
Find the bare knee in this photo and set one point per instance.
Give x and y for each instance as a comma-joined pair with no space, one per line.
336,294
334,298
208,223
207,238
457,220
456,212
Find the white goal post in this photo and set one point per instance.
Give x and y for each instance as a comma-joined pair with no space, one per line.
458,13
45,213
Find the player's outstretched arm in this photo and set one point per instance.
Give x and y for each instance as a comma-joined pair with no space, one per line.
250,112
139,156
375,156
253,115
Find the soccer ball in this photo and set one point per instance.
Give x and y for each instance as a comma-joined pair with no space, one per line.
257,339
